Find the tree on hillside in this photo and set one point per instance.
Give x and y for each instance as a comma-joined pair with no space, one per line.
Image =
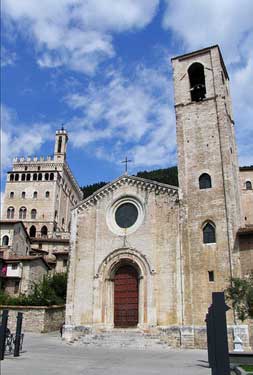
166,176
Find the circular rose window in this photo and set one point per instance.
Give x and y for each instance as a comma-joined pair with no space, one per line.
125,215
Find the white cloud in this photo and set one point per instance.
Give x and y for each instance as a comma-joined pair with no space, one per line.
200,23
7,57
75,33
242,88
127,116
18,139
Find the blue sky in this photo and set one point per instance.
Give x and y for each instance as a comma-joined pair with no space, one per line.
102,67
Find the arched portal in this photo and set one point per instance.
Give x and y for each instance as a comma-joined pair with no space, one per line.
135,267
126,296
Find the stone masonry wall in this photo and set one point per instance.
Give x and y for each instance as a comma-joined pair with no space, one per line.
39,319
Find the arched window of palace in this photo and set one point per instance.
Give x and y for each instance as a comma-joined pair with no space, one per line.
59,144
33,214
23,177
209,235
44,231
205,181
47,194
197,82
51,176
28,177
12,194
10,212
35,176
23,195
16,177
32,231
5,240
22,213
40,176
35,194
248,185
46,176
11,177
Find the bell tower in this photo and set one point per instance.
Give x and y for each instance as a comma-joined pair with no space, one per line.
60,148
208,177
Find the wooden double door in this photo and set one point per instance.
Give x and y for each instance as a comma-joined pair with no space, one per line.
126,295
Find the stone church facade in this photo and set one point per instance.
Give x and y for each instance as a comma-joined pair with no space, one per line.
149,255
146,255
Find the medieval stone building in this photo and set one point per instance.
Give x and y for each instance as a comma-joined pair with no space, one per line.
149,255
145,254
41,192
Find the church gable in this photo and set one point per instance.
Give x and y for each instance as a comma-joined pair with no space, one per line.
125,180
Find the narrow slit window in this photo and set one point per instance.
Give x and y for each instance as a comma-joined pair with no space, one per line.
211,276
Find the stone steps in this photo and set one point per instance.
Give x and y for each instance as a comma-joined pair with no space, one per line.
131,339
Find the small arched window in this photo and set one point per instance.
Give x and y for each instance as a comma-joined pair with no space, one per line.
12,194
33,214
10,212
47,194
5,240
197,82
23,177
23,195
51,176
205,181
44,231
46,176
35,176
35,195
16,177
40,176
28,177
11,177
59,144
32,231
22,213
209,235
248,185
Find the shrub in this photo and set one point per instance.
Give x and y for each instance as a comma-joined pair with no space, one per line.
51,290
240,293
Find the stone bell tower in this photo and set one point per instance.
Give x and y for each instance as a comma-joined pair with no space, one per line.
60,148
208,178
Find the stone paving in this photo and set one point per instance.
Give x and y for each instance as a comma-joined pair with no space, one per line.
48,355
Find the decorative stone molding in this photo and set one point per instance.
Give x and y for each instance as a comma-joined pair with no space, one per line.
143,184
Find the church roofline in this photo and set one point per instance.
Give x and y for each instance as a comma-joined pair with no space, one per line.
246,168
149,184
202,50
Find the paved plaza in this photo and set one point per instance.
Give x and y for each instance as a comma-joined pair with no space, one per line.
48,355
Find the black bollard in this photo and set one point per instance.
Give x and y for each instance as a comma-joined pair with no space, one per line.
219,309
3,329
18,334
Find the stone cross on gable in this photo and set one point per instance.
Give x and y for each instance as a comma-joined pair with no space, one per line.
126,161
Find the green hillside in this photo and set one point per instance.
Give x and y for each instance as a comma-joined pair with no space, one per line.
166,176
